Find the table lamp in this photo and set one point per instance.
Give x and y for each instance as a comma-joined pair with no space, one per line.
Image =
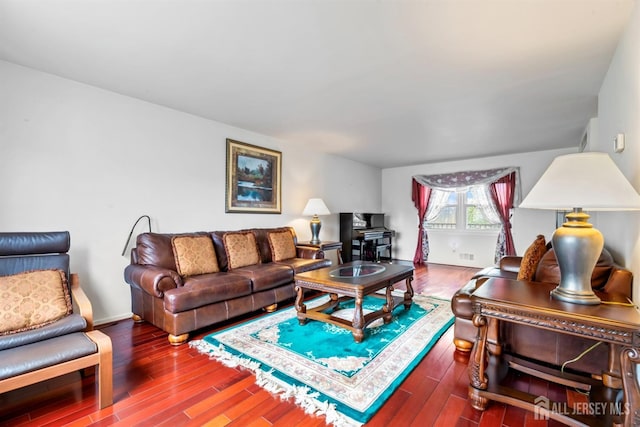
589,181
315,207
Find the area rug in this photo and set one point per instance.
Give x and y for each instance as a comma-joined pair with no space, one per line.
321,367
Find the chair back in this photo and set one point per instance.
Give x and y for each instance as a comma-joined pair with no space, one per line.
28,251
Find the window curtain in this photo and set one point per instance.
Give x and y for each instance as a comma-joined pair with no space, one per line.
507,189
437,201
420,196
502,193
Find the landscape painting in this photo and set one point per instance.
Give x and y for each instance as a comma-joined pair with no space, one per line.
253,178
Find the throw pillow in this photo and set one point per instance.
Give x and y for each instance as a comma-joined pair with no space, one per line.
194,255
241,248
33,299
282,246
531,258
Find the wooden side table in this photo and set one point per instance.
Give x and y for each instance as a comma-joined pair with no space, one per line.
326,246
527,303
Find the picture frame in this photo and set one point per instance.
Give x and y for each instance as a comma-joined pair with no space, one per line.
253,179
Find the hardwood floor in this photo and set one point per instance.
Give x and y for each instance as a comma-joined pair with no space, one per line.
156,384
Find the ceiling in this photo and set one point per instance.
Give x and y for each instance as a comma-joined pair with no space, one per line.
387,83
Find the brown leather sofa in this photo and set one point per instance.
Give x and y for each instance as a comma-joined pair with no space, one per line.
533,343
179,304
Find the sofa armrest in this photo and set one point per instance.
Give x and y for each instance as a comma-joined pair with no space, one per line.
461,301
81,301
619,281
153,280
510,263
309,252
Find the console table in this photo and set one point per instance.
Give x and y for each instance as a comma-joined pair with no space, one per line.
503,300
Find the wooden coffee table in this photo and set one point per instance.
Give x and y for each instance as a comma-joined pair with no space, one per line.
351,282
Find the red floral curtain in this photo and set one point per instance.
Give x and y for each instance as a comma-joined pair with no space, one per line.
502,193
420,196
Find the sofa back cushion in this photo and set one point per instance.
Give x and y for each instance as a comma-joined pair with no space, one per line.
33,299
281,245
29,251
241,249
194,255
155,249
548,270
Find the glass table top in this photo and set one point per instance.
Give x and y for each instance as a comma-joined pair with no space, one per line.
360,270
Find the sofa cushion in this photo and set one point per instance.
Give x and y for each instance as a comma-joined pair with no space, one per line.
33,299
37,355
194,255
206,289
241,249
282,245
531,258
266,276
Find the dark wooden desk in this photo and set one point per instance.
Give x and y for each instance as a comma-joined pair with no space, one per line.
530,304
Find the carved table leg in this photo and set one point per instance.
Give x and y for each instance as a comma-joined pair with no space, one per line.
358,320
408,295
388,307
301,309
477,365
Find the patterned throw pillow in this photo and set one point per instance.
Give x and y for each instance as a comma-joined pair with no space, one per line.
282,246
33,299
531,258
241,248
194,255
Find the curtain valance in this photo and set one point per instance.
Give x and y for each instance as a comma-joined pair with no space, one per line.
460,181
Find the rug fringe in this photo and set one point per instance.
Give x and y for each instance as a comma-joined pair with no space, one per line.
303,396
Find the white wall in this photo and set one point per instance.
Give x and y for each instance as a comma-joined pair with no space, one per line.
446,247
619,112
90,161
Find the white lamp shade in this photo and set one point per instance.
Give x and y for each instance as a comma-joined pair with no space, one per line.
590,181
316,207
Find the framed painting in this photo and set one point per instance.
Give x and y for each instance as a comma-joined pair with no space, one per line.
253,179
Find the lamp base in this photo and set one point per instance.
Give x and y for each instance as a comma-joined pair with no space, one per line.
565,295
315,226
577,246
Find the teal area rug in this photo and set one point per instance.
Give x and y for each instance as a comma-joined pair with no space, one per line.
321,367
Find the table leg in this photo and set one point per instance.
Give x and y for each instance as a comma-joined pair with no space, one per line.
477,365
408,295
613,378
301,308
389,306
358,319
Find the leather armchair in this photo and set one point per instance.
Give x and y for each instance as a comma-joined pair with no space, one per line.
537,344
32,354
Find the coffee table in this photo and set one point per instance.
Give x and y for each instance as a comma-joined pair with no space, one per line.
351,282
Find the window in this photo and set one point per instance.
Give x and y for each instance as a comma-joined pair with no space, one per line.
469,209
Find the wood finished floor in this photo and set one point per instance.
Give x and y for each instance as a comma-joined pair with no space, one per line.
156,384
